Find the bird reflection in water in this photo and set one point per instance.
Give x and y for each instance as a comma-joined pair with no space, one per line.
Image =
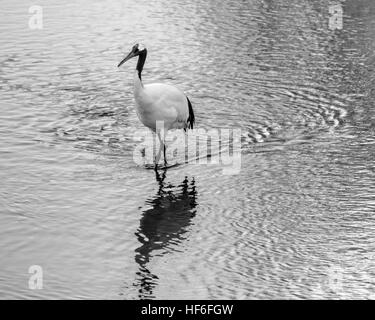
162,227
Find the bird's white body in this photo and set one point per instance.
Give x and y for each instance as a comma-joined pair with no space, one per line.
160,102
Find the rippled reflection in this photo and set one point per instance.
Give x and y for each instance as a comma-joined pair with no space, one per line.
162,226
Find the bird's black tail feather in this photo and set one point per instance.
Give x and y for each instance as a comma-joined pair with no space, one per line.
191,119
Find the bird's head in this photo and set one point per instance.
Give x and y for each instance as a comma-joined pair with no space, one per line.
136,51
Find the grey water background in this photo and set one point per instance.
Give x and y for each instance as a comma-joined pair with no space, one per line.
296,222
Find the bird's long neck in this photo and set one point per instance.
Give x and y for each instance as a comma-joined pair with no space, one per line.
141,62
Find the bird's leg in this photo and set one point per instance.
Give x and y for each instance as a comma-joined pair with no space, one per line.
165,159
157,158
162,145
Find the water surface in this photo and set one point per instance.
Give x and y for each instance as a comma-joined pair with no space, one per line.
296,222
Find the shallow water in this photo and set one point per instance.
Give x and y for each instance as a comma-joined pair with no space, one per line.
296,222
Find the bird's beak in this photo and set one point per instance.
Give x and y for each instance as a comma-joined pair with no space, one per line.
129,56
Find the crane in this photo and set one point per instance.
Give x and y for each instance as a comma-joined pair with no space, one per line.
159,103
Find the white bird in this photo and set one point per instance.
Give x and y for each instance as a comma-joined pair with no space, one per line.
159,103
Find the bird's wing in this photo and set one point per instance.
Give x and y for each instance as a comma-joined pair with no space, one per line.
170,103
